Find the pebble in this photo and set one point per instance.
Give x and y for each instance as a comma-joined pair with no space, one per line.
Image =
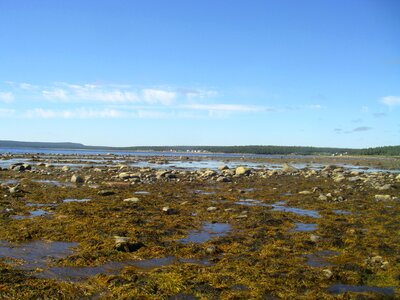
168,210
132,200
212,208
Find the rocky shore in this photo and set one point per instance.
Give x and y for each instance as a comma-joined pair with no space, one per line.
121,227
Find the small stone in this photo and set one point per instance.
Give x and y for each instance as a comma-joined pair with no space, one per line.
14,190
65,169
314,238
77,179
327,273
339,178
168,210
322,197
376,259
286,168
105,193
383,197
305,192
212,208
211,250
132,200
124,175
223,167
385,187
122,244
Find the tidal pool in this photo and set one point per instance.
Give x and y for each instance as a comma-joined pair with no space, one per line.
342,288
304,227
280,206
318,259
36,254
209,231
32,214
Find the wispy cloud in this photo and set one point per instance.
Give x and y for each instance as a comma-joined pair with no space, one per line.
391,100
6,97
80,113
354,130
227,107
192,94
379,115
154,96
361,129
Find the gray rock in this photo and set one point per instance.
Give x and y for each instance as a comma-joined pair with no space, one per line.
168,210
383,197
132,200
211,250
124,175
212,208
223,167
124,245
328,274
77,179
286,168
65,169
105,193
315,238
242,171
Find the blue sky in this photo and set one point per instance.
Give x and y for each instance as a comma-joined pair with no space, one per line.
178,72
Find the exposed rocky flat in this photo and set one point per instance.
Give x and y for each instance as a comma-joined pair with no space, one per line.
127,227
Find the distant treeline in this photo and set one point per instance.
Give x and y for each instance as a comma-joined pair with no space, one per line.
255,149
387,151
283,150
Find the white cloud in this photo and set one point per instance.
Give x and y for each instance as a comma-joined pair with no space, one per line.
26,86
225,107
6,97
391,100
153,96
55,94
152,114
197,93
315,106
80,113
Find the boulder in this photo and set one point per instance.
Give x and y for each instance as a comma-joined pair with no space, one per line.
77,179
242,171
286,168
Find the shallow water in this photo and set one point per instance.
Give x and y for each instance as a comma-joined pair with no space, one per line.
279,206
41,204
113,268
318,259
342,288
32,214
304,227
342,212
209,231
54,182
35,254
9,181
251,202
